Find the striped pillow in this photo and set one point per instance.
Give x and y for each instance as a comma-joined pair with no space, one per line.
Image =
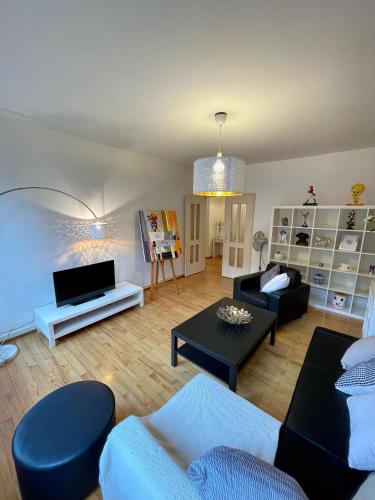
228,474
359,379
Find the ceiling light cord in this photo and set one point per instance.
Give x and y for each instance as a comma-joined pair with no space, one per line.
219,153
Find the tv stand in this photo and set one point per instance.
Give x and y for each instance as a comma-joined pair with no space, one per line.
55,322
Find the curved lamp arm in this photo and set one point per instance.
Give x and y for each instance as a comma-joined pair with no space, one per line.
50,189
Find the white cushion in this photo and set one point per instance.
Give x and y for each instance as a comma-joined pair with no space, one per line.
360,350
277,283
362,432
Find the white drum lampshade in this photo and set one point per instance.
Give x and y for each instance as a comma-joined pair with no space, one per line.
219,176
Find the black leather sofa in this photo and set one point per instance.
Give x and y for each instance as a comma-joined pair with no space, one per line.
314,439
289,303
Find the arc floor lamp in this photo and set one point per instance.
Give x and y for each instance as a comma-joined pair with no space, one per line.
9,351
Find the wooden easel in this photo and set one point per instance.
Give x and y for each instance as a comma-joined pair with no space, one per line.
155,267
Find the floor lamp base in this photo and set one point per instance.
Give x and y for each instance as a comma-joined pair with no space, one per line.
7,352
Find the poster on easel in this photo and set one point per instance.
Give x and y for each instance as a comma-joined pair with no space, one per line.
160,235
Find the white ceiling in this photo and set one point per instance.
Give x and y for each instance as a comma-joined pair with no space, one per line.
297,77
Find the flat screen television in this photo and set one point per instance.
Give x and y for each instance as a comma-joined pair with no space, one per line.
81,284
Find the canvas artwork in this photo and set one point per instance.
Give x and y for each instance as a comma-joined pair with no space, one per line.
160,236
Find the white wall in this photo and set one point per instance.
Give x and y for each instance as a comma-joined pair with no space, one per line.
215,212
41,232
286,183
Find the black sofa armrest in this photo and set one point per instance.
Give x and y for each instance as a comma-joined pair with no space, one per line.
246,282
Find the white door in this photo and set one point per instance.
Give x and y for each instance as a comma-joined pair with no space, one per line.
195,237
238,231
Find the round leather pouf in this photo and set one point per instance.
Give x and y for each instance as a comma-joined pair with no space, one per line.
57,444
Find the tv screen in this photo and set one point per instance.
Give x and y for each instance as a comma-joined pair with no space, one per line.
80,284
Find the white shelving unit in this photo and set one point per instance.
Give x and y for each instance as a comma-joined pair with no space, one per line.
55,322
328,222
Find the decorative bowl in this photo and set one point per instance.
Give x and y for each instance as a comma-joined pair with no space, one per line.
234,316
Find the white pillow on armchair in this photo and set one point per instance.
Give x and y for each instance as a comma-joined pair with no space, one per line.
277,283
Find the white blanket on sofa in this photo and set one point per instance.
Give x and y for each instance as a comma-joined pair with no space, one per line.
146,458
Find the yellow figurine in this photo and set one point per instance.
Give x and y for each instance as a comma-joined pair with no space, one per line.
357,190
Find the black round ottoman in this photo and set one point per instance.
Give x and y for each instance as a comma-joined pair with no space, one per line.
57,444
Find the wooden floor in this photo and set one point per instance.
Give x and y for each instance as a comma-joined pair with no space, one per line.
131,353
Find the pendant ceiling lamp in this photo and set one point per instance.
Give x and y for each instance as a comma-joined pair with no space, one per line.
219,175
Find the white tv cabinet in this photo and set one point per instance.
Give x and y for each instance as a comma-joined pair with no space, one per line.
328,222
55,322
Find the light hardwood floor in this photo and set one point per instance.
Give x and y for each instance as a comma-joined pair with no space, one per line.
131,353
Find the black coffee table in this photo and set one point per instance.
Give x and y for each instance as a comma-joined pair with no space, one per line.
218,347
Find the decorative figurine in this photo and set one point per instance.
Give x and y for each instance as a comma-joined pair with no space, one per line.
339,300
311,200
304,215
357,190
282,237
370,221
350,220
321,242
284,221
302,239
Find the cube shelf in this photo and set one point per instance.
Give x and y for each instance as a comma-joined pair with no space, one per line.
346,268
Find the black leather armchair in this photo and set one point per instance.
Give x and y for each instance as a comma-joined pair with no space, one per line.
289,303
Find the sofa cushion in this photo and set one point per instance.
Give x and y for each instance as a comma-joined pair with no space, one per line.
362,432
359,379
361,350
279,282
294,274
226,473
254,297
269,275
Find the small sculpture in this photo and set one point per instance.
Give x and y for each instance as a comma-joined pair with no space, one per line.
322,242
311,200
282,237
302,239
304,215
350,220
357,190
370,220
284,221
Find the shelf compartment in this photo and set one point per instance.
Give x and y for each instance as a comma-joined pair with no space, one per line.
322,272
348,303
347,259
280,213
323,238
326,218
359,306
281,235
349,235
295,231
298,218
365,263
317,297
362,286
275,247
342,282
370,226
369,243
360,215
321,256
299,255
